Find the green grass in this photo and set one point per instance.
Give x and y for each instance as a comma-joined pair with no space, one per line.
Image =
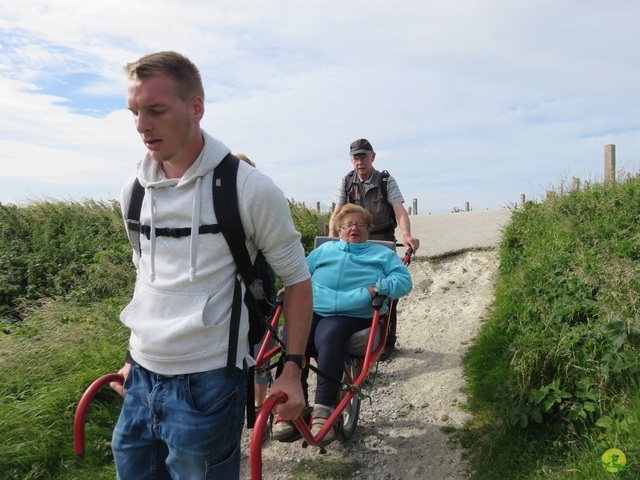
46,362
325,469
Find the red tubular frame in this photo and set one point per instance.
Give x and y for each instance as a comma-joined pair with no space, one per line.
365,366
255,455
255,452
83,405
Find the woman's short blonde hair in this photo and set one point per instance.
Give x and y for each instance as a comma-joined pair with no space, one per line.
246,159
351,208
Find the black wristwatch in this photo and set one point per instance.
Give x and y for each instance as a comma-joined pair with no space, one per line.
299,360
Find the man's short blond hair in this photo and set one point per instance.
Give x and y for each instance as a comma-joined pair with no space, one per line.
185,74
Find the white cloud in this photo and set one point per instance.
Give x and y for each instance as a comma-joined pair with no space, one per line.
464,100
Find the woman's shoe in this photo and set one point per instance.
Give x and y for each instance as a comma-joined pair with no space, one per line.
282,429
318,420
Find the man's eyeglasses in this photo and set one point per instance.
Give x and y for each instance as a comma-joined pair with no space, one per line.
347,226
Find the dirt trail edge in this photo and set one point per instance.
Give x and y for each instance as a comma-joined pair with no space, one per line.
417,391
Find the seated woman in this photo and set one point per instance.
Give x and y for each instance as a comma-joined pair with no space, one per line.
346,275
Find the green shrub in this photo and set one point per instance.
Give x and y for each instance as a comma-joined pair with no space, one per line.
562,342
62,249
307,223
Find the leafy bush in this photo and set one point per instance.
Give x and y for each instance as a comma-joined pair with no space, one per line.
307,222
62,249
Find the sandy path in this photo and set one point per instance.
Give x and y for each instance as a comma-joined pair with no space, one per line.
417,391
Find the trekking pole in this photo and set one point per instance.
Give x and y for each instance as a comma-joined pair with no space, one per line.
83,405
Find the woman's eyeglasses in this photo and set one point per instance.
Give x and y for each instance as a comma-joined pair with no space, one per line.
347,226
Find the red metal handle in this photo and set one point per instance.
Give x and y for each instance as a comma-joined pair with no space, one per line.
255,452
83,405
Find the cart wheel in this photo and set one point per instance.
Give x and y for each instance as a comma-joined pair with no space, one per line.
352,411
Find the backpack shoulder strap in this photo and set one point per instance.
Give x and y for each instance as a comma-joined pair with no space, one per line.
384,181
133,215
227,210
349,179
225,205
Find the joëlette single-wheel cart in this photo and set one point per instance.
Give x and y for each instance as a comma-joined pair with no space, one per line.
364,350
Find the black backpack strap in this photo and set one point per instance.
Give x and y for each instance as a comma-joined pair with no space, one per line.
178,232
348,182
234,329
384,182
383,187
133,215
225,205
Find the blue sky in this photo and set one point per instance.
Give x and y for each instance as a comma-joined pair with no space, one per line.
464,101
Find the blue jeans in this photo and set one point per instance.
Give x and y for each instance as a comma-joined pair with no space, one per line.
180,427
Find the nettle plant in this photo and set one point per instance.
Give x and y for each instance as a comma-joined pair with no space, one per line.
607,363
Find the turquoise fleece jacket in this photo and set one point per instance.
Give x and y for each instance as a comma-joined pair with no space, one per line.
341,273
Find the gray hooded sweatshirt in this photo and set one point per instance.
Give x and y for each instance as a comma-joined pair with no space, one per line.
181,308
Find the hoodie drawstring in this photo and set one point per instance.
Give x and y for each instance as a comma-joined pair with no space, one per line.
195,228
195,225
152,236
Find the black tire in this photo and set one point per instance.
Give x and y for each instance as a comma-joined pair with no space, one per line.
352,412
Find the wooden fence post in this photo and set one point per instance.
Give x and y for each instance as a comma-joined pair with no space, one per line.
415,206
322,226
609,163
576,183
